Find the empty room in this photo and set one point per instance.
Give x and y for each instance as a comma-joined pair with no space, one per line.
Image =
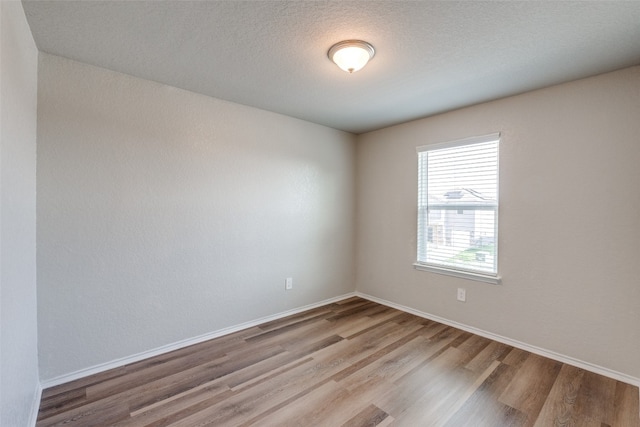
319,213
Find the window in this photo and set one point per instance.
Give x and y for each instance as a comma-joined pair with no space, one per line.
458,208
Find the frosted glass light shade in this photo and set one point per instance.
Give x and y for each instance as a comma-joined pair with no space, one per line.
351,55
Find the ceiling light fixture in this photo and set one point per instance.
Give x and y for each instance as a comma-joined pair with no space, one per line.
351,55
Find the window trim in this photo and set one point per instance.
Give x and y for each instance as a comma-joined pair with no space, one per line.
460,142
463,274
453,271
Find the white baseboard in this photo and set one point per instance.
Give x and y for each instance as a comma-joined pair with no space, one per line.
35,406
225,331
514,343
181,344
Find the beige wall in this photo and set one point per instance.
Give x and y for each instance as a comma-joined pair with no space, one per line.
569,220
18,335
164,215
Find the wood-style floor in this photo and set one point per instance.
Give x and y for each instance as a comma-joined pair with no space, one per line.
352,363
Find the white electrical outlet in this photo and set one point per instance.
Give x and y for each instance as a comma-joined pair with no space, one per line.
288,283
462,294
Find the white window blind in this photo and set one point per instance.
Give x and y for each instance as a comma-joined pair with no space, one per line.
458,205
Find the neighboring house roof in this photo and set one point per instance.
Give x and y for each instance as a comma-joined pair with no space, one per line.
461,198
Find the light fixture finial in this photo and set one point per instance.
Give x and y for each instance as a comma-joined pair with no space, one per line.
351,55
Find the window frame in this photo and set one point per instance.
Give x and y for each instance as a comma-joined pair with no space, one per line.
461,272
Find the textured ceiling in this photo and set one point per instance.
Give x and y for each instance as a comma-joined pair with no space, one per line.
431,57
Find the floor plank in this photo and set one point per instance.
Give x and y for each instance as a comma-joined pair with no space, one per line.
351,363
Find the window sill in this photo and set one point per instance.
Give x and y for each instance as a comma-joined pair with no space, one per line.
478,277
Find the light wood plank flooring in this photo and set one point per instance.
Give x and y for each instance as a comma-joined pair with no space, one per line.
352,363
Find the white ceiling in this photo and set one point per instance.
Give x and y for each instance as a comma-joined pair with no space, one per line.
431,57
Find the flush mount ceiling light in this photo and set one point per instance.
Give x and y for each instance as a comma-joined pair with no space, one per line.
351,55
